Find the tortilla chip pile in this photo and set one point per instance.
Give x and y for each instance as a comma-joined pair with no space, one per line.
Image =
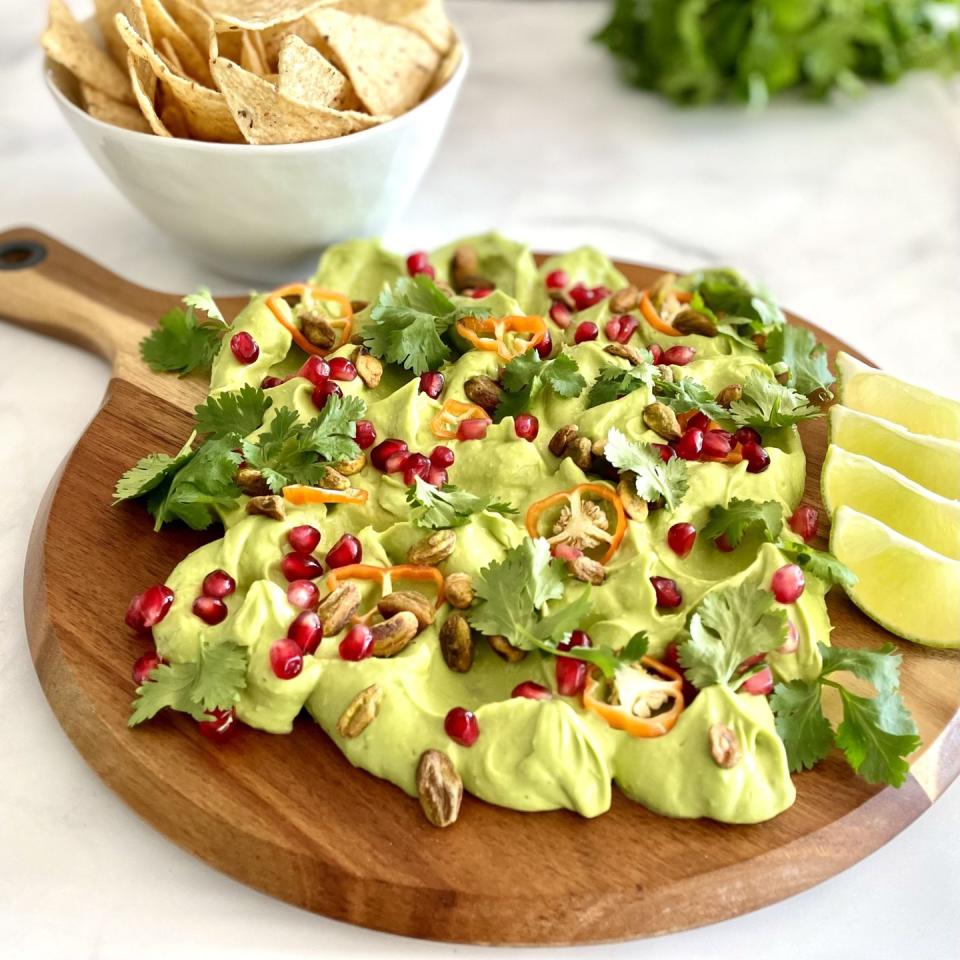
255,71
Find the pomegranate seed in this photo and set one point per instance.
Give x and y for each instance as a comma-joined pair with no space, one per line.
716,444
571,676
579,638
211,610
461,725
342,369
431,383
147,609
419,262
678,356
699,421
480,292
442,456
303,538
474,429
788,583
527,426
221,725
667,453
545,347
757,458
345,551
268,383
300,566
383,454
306,631
357,644
751,661
690,444
671,657
656,353
723,544
681,537
804,522
565,552
532,691
437,476
557,280
416,465
142,667
316,370
612,328
747,435
628,327
792,642
303,594
585,297
219,584
286,658
366,434
668,594
561,315
244,347
585,332
323,393
759,684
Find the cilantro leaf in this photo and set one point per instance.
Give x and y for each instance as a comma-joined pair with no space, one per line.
732,300
521,371
331,434
876,735
613,383
805,731
526,374
655,479
805,359
728,626
448,506
233,413
768,405
562,375
205,482
879,667
409,321
215,681
687,393
150,472
203,300
180,344
820,563
738,515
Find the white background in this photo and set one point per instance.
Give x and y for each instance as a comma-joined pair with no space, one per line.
850,213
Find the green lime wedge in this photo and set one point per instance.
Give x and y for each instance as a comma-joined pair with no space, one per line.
882,493
883,395
929,461
907,588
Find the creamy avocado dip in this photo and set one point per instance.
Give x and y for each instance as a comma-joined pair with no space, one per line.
531,754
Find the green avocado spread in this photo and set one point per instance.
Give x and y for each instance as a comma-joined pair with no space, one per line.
531,754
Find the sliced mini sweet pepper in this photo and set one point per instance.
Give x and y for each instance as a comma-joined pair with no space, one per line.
308,294
655,697
299,493
386,576
446,424
583,527
508,337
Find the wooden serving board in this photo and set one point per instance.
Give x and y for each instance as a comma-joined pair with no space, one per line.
289,815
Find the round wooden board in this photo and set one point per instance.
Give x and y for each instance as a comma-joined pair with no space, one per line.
289,815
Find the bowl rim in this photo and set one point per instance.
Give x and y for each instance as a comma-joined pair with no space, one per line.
332,143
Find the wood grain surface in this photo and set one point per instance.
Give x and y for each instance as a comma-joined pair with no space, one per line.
289,815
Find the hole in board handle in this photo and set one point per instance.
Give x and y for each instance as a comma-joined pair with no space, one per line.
21,254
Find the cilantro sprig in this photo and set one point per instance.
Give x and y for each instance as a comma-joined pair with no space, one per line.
526,375
688,393
185,341
804,360
440,508
613,382
656,480
214,682
876,733
768,405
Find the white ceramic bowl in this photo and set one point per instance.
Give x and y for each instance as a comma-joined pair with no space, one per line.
263,213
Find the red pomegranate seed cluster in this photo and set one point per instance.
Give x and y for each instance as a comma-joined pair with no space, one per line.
569,299
622,328
209,606
394,456
701,441
303,637
324,374
571,674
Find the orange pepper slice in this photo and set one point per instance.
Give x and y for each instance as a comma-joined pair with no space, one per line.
573,497
319,293
299,494
621,718
650,314
386,576
446,423
508,337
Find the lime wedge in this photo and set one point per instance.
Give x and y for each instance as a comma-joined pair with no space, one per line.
929,461
883,395
907,588
882,493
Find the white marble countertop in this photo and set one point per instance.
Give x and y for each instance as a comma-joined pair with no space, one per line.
851,214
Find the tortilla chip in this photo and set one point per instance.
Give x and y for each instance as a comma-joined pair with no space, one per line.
306,75
172,114
430,21
165,49
250,57
380,9
258,14
195,23
389,66
67,43
105,11
273,37
448,66
206,110
264,115
192,62
103,107
145,98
